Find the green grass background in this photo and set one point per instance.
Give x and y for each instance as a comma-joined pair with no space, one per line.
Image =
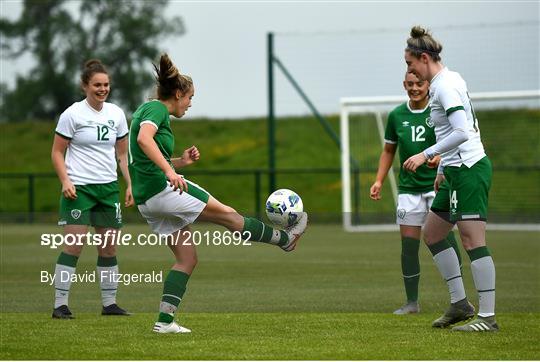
330,299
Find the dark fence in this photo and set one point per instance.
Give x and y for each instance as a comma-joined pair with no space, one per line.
514,197
258,176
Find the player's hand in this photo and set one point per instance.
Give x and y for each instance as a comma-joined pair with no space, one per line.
191,155
176,181
414,162
68,190
438,181
375,191
434,162
129,198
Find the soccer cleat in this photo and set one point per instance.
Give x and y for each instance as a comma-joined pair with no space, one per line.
62,312
114,309
408,308
295,232
480,324
460,311
173,327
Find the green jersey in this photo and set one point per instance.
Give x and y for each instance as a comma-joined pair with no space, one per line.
413,132
147,179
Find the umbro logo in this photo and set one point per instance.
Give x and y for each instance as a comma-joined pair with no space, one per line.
405,123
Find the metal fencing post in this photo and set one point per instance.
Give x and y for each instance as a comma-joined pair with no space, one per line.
257,174
31,198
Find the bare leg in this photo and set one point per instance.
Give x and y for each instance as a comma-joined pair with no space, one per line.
184,251
473,233
218,213
77,231
409,231
436,229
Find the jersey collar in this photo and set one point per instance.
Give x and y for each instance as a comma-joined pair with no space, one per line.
92,108
444,70
416,110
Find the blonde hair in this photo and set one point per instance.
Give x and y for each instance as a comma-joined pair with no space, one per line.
169,79
421,41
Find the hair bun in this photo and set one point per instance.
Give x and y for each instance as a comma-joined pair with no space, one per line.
169,79
92,62
167,69
418,32
421,41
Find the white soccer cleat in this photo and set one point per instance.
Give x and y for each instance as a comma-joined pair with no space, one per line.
295,232
408,308
173,327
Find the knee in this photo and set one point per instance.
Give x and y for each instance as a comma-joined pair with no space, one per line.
429,236
74,250
107,252
466,241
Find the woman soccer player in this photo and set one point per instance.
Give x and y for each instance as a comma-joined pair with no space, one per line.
410,128
170,203
91,131
468,171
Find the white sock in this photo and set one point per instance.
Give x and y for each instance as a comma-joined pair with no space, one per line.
277,236
448,264
483,272
108,283
62,284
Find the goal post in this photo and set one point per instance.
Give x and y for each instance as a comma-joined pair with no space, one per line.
356,114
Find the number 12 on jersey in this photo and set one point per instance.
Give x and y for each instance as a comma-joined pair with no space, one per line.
417,133
102,133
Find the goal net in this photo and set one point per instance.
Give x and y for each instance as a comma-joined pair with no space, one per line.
510,126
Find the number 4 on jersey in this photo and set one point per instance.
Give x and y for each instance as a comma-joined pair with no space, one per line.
453,200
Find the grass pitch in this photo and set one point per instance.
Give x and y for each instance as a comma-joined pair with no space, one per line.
330,299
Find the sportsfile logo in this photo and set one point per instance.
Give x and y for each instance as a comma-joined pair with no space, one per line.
119,238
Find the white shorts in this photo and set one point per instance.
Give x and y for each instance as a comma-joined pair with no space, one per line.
412,209
170,211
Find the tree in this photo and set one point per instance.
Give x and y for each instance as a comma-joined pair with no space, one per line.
61,35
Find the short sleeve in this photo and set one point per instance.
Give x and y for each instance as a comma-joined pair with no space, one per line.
450,99
156,114
390,134
66,126
122,130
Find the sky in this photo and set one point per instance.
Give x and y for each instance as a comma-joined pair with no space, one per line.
336,49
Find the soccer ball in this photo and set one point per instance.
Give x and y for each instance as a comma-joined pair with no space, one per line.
284,208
